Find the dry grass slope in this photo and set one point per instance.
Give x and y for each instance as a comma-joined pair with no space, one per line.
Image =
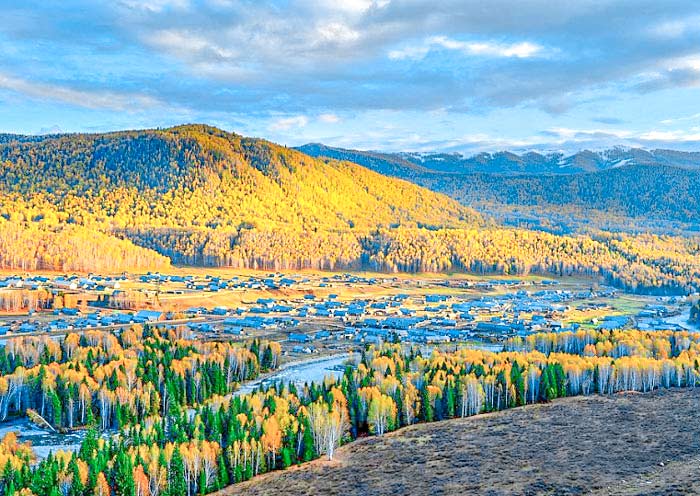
587,445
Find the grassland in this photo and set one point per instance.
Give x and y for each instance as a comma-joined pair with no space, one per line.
628,444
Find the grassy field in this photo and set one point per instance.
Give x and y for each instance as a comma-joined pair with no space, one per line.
629,444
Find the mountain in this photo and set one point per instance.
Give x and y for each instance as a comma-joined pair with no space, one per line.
175,190
197,195
199,176
508,163
384,163
646,185
639,191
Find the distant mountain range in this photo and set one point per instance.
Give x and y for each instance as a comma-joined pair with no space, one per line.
653,186
507,162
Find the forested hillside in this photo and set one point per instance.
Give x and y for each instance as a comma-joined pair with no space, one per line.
197,180
201,196
667,193
198,176
174,427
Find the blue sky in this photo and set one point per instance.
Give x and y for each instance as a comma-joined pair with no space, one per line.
374,74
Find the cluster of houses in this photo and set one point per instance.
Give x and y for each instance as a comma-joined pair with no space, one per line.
67,319
436,315
67,283
271,281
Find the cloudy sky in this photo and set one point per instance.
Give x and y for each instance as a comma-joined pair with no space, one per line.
464,75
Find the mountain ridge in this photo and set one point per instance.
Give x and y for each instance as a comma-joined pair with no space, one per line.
531,162
629,183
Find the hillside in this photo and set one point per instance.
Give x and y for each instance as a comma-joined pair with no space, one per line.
197,195
186,182
661,184
198,176
660,192
602,445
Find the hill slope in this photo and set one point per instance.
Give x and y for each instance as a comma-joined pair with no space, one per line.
198,176
202,196
191,192
591,445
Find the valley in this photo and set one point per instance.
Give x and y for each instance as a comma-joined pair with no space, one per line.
195,195
358,247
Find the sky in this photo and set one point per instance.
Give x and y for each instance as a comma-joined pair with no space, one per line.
392,75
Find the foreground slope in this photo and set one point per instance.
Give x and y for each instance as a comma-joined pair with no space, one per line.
622,444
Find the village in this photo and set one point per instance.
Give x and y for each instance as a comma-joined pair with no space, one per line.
320,313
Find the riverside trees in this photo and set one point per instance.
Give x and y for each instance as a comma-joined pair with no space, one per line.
202,439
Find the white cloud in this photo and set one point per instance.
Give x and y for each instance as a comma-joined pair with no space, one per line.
677,27
82,98
692,117
585,134
329,118
183,42
415,52
670,136
287,123
155,5
353,6
521,50
336,32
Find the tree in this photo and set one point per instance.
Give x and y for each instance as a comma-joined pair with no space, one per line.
102,487
177,486
123,478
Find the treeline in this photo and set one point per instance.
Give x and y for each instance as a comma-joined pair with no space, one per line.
220,440
645,263
14,300
69,248
614,344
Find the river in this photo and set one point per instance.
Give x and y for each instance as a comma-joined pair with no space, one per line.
306,371
43,441
683,320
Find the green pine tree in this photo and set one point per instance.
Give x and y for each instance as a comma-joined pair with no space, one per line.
177,485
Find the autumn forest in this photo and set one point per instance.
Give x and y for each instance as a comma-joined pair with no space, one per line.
196,195
162,419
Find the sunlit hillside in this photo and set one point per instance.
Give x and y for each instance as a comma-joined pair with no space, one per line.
183,184
197,195
198,176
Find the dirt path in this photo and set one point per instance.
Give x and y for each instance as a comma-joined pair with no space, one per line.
629,444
